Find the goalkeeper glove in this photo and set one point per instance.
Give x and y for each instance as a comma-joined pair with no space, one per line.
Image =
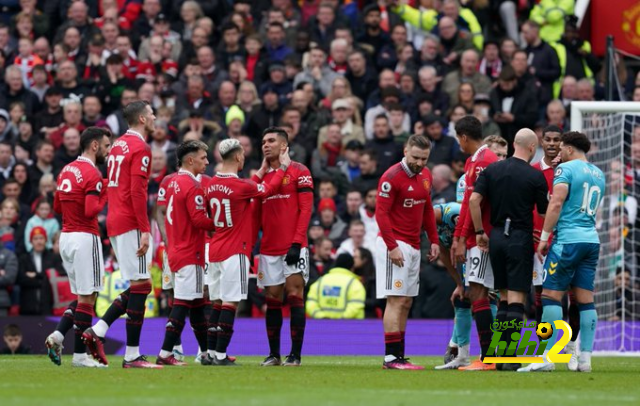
293,256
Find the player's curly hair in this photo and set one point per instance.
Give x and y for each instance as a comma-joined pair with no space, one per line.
577,140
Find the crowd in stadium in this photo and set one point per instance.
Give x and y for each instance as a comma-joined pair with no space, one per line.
349,81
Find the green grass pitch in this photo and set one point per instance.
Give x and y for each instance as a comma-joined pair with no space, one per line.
33,380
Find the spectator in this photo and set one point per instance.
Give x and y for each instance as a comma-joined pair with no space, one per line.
326,159
190,12
466,95
78,18
383,143
35,290
7,161
68,151
466,73
278,81
40,83
512,106
396,124
115,120
453,41
256,60
13,339
230,48
72,89
574,53
268,114
317,72
334,228
481,109
568,91
142,25
585,90
364,267
72,113
160,140
443,189
350,167
352,209
247,98
341,109
18,187
491,64
550,15
322,259
92,108
16,91
291,122
519,63
337,295
557,115
388,96
43,165
443,147
361,76
356,233
322,26
373,38
543,61
195,98
369,175
275,46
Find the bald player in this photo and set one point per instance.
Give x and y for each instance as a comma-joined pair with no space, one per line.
512,188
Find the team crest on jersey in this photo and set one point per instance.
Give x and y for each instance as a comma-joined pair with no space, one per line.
397,284
286,180
426,184
535,275
167,279
260,275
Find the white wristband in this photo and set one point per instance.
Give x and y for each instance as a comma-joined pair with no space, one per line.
544,237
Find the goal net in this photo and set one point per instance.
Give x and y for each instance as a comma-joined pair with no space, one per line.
614,131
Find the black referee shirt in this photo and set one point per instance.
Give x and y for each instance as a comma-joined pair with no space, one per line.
513,188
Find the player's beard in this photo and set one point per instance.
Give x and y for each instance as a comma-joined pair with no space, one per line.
415,168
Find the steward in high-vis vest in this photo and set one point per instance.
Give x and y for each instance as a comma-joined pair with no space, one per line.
574,55
427,20
338,294
114,283
550,15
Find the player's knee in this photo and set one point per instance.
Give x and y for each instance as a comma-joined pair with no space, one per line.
141,287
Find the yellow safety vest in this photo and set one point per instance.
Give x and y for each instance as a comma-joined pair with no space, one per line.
550,14
337,295
113,285
561,50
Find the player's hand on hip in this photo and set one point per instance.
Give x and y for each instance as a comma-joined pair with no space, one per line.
435,252
458,293
293,256
285,159
543,250
396,257
460,252
144,244
482,241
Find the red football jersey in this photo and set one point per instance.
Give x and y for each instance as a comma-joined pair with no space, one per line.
162,191
473,167
538,220
77,180
404,208
186,221
128,180
285,216
229,200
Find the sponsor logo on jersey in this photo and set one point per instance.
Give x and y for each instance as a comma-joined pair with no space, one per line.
412,202
305,181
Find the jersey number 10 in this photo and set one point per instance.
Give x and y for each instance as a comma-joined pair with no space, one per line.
590,199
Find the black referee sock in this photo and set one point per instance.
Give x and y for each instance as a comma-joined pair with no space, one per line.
66,321
174,326
225,327
274,325
118,307
501,315
212,331
515,316
298,323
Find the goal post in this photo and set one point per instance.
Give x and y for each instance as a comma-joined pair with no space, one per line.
612,128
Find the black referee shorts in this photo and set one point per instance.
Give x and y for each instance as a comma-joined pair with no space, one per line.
511,259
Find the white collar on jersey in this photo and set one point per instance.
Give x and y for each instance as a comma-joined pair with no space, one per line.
87,160
226,175
475,156
544,166
186,172
137,134
406,168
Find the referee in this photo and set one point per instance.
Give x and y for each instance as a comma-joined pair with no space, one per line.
513,188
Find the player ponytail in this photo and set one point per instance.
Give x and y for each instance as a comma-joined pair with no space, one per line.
577,140
92,134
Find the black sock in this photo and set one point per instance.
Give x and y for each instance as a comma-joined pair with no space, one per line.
274,325
174,326
574,318
225,327
501,314
298,323
516,314
118,307
393,344
212,331
198,323
135,313
483,316
538,302
66,321
81,322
